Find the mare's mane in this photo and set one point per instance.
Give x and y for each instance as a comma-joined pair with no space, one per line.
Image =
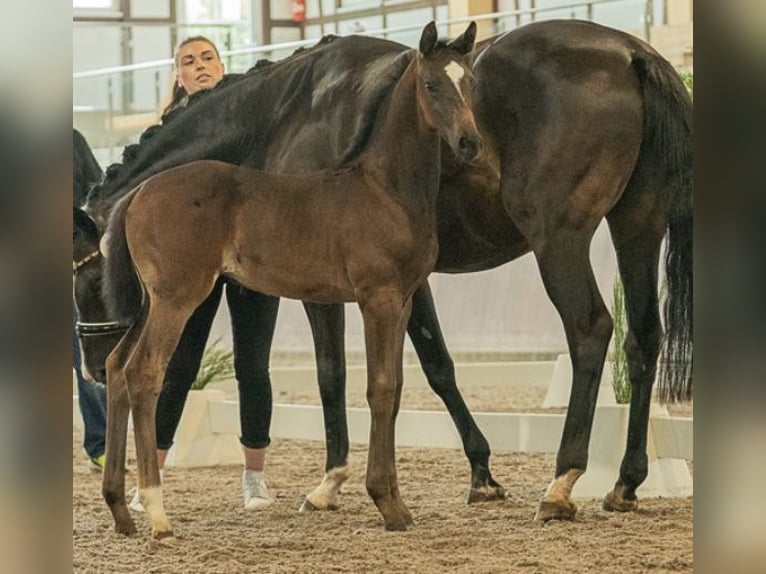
384,87
134,151
86,170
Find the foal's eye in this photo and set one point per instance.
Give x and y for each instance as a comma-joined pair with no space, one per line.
430,86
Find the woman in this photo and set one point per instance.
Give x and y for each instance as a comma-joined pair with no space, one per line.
199,67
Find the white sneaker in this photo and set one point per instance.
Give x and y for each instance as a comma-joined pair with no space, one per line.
256,493
135,501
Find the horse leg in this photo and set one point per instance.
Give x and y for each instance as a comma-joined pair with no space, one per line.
328,328
393,479
118,409
568,278
426,336
154,348
637,234
184,367
384,326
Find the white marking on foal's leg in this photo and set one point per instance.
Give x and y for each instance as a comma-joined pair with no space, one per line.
455,72
325,496
151,499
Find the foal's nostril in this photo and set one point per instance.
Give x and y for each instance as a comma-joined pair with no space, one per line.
469,147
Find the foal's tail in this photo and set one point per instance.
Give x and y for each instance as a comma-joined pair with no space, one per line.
668,133
122,290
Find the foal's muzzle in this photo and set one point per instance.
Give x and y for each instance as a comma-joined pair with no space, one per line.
469,147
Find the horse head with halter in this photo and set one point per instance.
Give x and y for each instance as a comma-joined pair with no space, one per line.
98,334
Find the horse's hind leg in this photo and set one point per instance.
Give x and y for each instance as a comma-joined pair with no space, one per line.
570,284
637,227
426,336
327,327
144,372
118,409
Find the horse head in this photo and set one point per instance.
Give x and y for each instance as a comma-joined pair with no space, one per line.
97,332
445,90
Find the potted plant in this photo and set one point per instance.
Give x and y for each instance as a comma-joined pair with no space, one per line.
217,365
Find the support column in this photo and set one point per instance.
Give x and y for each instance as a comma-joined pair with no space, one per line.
466,8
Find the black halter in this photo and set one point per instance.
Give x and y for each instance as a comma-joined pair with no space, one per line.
95,329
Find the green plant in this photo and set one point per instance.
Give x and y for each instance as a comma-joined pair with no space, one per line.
620,378
217,365
688,78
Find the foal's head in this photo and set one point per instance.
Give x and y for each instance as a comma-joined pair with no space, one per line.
445,90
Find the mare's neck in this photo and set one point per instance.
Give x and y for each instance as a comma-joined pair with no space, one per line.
405,151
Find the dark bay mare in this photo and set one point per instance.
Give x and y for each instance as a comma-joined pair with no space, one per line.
97,333
580,123
364,232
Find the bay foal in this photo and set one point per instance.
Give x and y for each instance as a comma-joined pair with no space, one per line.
364,232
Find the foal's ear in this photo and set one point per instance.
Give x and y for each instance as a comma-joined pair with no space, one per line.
429,38
463,44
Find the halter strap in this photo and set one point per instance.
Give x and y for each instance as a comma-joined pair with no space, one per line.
87,259
107,328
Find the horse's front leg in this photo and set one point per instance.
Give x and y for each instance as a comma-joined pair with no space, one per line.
426,336
385,317
570,284
328,329
399,370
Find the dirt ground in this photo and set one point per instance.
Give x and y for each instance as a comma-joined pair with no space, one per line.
215,535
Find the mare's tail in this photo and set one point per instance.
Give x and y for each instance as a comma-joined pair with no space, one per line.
668,131
122,290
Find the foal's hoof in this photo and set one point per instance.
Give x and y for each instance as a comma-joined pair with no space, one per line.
616,501
126,528
164,535
556,510
399,525
309,506
486,493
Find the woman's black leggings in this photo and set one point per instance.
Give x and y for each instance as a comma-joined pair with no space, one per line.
253,318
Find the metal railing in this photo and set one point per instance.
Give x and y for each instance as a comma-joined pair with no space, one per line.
111,126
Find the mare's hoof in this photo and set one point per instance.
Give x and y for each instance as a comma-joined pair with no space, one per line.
486,493
561,510
616,501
